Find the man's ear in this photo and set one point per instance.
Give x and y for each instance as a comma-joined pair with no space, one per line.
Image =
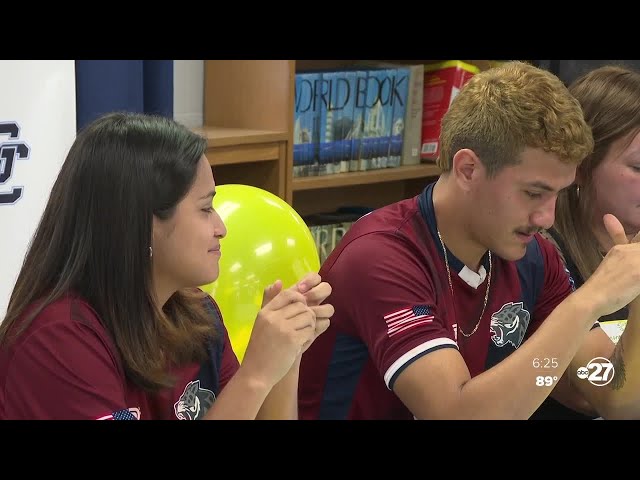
466,166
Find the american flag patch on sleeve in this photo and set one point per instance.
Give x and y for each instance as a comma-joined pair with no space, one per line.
406,318
124,414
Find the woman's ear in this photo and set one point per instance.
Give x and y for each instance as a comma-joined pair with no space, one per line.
158,230
579,180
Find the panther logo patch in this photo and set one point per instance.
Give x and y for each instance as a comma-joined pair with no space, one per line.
509,324
194,402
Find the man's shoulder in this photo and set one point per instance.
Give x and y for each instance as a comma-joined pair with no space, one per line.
539,250
542,261
392,226
394,219
533,264
392,215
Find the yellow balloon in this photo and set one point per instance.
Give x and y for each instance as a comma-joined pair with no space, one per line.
266,240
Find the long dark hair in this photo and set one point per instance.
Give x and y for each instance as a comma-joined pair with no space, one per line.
94,236
610,98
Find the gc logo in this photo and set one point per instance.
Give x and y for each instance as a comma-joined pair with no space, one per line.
599,371
10,151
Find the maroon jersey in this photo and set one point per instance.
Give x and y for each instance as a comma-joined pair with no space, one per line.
65,366
393,305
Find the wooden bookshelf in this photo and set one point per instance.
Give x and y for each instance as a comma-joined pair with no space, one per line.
247,121
231,137
373,195
248,118
248,156
424,170
238,145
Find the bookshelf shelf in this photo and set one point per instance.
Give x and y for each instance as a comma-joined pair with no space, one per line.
248,156
368,177
225,137
240,145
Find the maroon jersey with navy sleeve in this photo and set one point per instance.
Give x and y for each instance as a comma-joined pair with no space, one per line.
393,305
65,366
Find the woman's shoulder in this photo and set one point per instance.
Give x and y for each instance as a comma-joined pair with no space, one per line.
70,315
70,307
210,305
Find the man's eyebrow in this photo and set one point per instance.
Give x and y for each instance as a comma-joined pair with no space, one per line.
541,186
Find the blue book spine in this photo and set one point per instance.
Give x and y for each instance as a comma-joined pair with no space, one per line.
399,97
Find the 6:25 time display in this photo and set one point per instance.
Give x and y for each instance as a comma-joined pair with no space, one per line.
545,362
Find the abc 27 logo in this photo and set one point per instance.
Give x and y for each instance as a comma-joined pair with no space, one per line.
11,149
599,371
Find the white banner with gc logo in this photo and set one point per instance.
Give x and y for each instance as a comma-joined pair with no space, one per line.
37,128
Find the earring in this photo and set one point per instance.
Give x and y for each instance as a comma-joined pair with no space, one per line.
578,191
150,252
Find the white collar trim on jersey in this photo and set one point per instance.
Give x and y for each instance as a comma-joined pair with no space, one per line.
472,278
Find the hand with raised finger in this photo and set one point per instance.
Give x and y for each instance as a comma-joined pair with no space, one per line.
616,230
619,237
616,281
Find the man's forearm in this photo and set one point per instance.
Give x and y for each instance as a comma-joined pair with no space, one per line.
528,381
624,389
282,402
615,393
